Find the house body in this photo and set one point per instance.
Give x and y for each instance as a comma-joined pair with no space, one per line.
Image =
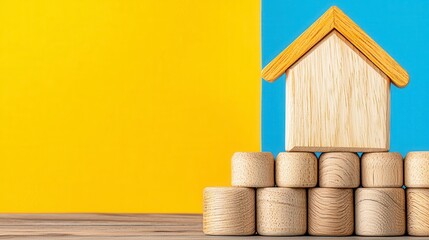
337,88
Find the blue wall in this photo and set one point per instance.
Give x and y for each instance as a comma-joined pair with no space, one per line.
400,27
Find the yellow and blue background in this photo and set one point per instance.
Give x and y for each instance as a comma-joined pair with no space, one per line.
136,106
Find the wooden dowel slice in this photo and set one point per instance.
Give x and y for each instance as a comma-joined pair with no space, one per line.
382,170
339,170
330,212
296,169
281,211
417,170
253,169
418,212
229,211
380,211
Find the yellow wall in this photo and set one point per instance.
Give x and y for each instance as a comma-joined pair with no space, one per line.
124,106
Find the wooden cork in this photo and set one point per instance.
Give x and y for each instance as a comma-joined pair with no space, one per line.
417,170
418,212
296,169
229,211
380,211
281,211
253,169
382,170
330,212
339,170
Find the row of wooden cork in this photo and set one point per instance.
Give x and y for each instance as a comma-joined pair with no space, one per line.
331,207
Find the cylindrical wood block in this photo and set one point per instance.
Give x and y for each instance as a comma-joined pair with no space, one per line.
296,169
229,211
253,169
339,170
382,170
417,170
281,211
330,212
418,212
380,211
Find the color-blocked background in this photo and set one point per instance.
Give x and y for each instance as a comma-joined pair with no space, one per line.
124,106
136,106
400,27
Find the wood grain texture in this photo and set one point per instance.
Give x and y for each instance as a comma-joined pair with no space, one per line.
365,44
417,170
418,212
229,211
380,211
109,226
382,170
330,212
252,169
281,211
100,226
335,19
337,101
296,169
339,170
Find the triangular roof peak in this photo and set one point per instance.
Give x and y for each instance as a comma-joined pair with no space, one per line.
335,19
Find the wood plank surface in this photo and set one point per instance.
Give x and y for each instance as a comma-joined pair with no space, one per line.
114,226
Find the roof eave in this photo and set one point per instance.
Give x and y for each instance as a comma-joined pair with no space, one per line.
332,19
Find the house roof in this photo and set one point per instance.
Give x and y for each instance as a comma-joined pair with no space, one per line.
335,19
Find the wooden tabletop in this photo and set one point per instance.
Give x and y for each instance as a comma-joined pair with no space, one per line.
113,226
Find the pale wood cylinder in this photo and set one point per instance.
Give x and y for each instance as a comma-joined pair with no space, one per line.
339,170
281,211
330,212
296,169
417,170
253,169
380,211
418,212
382,170
229,211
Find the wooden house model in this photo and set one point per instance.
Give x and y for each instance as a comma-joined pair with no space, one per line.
337,88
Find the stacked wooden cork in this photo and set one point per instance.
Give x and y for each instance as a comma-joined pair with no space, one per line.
417,183
330,205
269,197
380,204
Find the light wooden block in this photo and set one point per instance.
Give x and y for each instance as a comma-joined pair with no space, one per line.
229,211
337,87
417,170
281,211
418,212
380,211
339,170
330,212
382,170
253,169
336,100
296,169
